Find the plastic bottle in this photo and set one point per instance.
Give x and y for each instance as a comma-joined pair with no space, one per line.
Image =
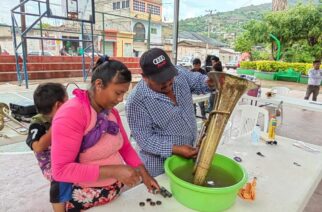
271,129
256,134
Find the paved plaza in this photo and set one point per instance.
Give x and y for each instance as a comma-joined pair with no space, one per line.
24,189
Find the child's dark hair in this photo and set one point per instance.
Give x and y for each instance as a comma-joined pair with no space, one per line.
47,94
215,58
316,61
107,70
196,61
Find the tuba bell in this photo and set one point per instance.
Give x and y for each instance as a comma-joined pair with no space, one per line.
230,88
7,120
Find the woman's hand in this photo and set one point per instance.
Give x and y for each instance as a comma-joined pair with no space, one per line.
123,173
148,181
127,175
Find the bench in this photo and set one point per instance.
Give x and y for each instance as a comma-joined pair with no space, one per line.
289,73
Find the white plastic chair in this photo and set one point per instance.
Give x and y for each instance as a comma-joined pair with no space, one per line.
248,119
282,91
278,109
226,134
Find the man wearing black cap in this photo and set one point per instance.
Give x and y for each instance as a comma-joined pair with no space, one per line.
216,66
160,110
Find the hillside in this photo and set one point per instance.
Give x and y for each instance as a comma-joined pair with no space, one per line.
226,26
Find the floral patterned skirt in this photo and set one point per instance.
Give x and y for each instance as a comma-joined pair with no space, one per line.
85,198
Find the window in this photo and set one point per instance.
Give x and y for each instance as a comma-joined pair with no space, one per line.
125,4
138,6
154,31
139,31
154,9
116,5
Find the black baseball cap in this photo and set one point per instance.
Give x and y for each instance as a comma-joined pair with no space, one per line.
156,64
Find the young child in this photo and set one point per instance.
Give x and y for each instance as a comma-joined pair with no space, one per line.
48,97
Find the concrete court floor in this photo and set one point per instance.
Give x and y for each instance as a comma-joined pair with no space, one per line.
298,124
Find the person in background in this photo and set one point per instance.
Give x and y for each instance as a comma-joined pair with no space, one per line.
63,51
90,147
196,63
216,66
315,78
48,98
5,52
160,110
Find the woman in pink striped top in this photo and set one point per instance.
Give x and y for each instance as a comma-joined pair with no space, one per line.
90,148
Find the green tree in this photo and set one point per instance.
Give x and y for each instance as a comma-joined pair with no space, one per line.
244,43
298,28
45,25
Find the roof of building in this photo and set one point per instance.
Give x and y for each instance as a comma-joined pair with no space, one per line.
195,44
193,36
227,50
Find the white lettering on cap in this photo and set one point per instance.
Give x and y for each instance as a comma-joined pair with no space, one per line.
158,60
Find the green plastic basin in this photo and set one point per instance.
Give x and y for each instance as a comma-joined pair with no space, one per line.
202,198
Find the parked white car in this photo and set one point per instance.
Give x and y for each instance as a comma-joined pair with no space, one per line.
232,64
186,62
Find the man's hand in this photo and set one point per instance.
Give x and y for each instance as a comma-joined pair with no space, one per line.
185,151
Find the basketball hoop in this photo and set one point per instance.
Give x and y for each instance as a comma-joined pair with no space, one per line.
72,15
74,10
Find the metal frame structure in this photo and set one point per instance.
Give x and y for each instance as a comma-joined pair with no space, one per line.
175,30
24,37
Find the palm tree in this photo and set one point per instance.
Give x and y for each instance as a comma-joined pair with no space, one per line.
278,5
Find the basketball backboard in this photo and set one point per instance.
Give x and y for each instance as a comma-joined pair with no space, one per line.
76,10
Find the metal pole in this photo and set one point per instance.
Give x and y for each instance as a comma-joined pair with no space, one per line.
209,20
63,39
92,38
207,45
103,33
149,31
24,60
24,42
83,55
15,49
23,22
175,31
41,35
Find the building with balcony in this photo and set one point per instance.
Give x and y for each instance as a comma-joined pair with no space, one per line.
125,24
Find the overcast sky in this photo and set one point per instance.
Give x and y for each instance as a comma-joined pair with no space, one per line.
188,8
194,8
